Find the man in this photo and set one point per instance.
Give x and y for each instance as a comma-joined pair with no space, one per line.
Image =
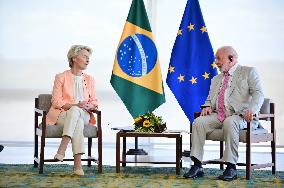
235,98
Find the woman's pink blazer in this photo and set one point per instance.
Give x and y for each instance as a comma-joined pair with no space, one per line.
63,92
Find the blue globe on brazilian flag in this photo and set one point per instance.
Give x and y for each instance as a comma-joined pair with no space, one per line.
137,55
136,75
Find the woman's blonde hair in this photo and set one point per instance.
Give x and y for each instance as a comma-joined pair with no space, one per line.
73,51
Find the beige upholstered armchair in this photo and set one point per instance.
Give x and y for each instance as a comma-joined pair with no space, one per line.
250,136
42,105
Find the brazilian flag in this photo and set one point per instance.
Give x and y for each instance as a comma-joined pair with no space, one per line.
136,75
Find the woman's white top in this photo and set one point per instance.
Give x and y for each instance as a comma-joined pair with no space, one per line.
79,89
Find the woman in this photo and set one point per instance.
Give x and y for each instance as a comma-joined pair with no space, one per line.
73,98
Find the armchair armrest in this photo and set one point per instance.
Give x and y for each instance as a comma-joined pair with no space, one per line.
96,111
203,106
266,116
41,112
99,114
196,114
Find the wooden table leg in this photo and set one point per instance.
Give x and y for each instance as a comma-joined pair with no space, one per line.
178,155
118,152
124,152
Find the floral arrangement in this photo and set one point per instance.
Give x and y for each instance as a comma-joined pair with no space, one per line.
149,122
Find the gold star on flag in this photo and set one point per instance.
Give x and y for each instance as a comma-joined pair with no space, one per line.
180,32
203,29
190,27
171,69
214,65
193,80
181,78
206,75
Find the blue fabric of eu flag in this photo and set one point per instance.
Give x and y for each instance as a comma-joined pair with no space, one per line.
192,64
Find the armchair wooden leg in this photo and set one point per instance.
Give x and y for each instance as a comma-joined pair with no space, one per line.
221,153
41,163
273,142
36,151
178,157
273,156
89,151
248,161
100,164
36,136
180,151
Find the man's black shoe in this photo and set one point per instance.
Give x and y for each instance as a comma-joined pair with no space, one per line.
194,172
229,174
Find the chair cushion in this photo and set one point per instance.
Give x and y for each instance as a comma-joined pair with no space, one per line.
217,134
55,131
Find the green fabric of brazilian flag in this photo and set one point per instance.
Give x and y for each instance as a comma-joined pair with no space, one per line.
136,75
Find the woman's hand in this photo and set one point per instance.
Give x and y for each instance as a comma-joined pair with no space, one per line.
87,105
67,106
82,104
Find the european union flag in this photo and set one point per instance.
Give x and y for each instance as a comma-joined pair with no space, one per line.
192,61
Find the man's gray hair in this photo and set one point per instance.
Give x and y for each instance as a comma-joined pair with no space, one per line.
229,50
73,51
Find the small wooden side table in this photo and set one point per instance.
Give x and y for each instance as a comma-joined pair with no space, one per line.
176,135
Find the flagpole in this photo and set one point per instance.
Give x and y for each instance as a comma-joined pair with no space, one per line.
193,52
151,12
140,91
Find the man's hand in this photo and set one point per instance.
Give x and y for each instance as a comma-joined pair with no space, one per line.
206,111
248,115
